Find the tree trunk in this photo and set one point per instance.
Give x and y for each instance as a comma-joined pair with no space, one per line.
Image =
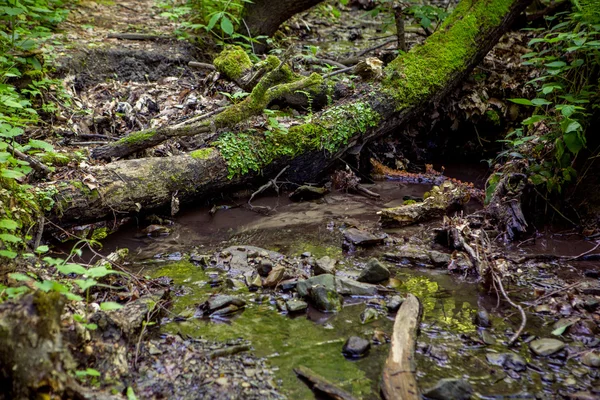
263,17
410,82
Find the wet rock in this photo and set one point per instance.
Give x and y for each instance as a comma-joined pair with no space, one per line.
582,396
358,237
546,347
324,265
394,303
488,338
592,273
507,360
294,306
234,283
326,280
356,347
450,389
583,328
591,359
308,193
368,315
350,287
221,300
274,277
281,306
379,337
239,263
343,286
264,267
549,378
254,281
230,309
439,353
202,259
325,300
482,319
410,254
543,309
288,284
374,272
591,288
155,230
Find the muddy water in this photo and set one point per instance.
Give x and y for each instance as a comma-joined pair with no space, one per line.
449,344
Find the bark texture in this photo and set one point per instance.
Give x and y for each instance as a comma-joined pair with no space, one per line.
423,75
263,17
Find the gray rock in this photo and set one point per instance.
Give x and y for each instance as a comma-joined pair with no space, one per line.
239,258
230,309
450,389
374,272
411,254
264,267
308,193
350,287
482,318
324,265
488,338
303,287
221,301
394,303
546,347
507,360
362,238
591,359
438,258
294,306
356,347
343,286
368,315
325,300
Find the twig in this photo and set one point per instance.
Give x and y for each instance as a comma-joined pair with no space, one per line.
35,164
200,117
339,71
571,286
586,252
271,184
228,351
196,64
514,338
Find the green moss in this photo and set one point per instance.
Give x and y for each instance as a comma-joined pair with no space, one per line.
252,150
100,233
493,117
57,159
202,154
412,77
233,62
137,137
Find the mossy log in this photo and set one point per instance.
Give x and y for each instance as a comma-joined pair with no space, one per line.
412,81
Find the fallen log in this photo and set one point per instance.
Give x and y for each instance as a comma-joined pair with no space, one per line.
412,81
398,379
321,384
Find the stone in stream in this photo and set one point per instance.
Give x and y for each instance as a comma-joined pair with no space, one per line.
343,286
325,300
450,389
221,301
362,238
308,193
230,309
591,359
324,265
507,360
394,303
368,315
294,306
482,319
374,272
546,347
488,338
264,266
275,276
239,263
356,347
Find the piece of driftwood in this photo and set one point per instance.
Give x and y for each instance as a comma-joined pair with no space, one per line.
228,351
399,380
323,385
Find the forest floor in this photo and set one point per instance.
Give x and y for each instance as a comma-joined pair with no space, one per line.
120,86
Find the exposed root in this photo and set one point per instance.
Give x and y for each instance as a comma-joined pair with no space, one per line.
271,184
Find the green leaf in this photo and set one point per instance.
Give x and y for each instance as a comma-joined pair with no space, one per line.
85,284
556,64
573,142
213,21
20,277
8,224
131,394
40,144
110,306
523,102
71,269
540,102
226,25
537,179
567,110
8,254
9,238
91,327
72,296
534,119
99,272
42,249
11,174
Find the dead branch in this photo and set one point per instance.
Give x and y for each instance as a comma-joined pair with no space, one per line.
271,184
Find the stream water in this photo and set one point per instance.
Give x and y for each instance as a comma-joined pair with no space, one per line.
450,344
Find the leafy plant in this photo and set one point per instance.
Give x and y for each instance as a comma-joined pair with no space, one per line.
568,56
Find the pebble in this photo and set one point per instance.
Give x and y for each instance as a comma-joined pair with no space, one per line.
546,347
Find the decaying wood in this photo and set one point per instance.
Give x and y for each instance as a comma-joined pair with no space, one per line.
323,385
398,381
228,351
129,186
